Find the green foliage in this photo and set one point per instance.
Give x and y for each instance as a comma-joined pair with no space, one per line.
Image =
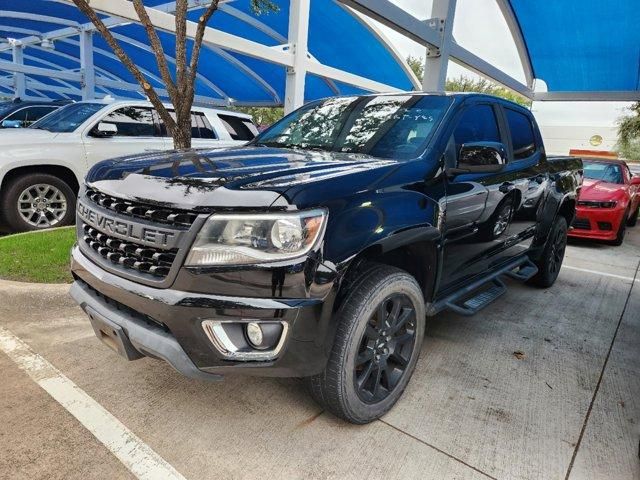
417,65
41,257
263,6
263,116
466,84
629,134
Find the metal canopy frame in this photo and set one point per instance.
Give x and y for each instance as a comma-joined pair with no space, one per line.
435,35
292,53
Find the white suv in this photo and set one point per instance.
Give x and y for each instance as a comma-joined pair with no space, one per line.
42,166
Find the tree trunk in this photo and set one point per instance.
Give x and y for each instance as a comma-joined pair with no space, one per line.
182,133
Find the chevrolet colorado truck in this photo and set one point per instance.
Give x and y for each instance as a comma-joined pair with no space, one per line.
319,249
41,167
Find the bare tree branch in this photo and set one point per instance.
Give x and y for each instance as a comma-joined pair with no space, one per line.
156,46
197,41
84,7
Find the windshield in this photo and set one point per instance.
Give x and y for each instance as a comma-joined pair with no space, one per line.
68,118
607,172
394,126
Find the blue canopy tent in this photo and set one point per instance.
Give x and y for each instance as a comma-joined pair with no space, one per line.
579,49
48,49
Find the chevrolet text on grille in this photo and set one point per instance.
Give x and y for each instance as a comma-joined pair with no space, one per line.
132,231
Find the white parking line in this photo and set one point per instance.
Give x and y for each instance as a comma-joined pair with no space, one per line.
136,455
604,274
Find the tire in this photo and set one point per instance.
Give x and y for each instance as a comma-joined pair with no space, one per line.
44,194
383,363
633,220
622,230
550,262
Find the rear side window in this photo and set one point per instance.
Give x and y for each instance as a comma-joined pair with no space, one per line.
522,137
478,124
200,126
133,122
239,128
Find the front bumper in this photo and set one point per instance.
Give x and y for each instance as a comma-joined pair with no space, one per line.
167,323
597,223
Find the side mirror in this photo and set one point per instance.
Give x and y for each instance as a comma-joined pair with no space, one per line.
105,130
480,157
12,124
635,180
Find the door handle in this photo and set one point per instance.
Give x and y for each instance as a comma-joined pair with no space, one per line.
506,187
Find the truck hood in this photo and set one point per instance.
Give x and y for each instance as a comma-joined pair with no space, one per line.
598,190
243,177
22,136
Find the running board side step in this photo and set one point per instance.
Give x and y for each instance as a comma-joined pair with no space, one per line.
474,297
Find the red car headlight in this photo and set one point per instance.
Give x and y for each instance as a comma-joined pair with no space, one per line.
591,204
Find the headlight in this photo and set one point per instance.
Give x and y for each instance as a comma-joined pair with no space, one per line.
256,238
593,204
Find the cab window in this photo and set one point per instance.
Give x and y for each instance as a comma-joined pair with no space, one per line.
478,124
522,137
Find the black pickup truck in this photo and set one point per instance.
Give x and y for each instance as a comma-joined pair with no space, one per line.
319,249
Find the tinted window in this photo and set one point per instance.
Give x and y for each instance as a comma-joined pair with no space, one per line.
388,126
200,126
478,124
238,128
36,113
524,144
132,122
67,119
607,172
28,115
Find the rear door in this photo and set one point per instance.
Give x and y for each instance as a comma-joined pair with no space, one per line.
138,132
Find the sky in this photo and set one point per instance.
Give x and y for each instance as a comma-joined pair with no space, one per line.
480,28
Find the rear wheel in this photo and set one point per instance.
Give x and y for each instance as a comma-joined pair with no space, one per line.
378,341
552,257
38,201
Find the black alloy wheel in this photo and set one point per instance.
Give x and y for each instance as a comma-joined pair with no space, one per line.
550,261
385,349
380,327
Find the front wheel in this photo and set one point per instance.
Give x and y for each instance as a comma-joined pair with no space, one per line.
37,201
622,231
550,262
378,340
633,220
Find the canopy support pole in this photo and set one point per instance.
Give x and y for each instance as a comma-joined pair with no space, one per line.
19,79
86,65
437,59
298,38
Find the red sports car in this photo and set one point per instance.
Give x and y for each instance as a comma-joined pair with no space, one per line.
608,201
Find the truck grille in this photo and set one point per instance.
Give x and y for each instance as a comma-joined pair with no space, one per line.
581,224
130,255
166,216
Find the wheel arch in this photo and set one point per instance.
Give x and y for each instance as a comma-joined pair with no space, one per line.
415,251
64,173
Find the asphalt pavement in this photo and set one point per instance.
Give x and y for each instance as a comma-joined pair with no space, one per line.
542,384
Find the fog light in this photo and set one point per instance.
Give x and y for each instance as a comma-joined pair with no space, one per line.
254,335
